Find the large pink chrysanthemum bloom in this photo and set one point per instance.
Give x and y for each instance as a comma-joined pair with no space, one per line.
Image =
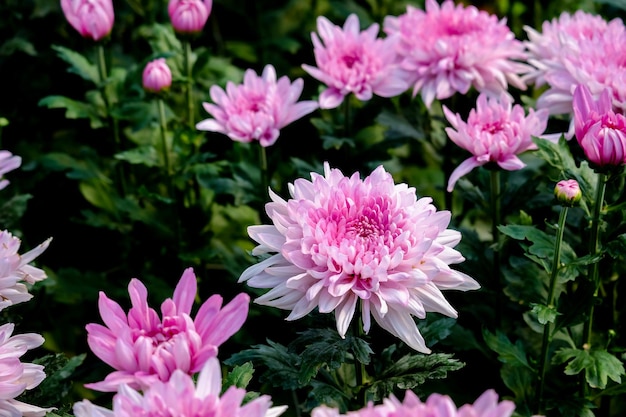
353,61
339,241
577,49
15,376
449,49
436,405
600,131
144,348
256,109
91,18
496,131
8,162
15,271
181,397
189,16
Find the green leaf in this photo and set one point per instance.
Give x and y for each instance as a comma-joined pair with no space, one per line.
334,142
599,365
78,64
73,109
142,155
513,354
545,314
240,376
13,210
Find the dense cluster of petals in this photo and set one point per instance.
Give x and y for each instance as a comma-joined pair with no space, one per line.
256,109
8,162
189,16
15,376
436,405
156,76
600,131
496,131
574,49
351,61
91,18
181,397
144,348
339,241
15,271
449,48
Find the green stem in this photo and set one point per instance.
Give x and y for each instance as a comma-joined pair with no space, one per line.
264,174
359,367
547,329
594,245
164,147
347,115
495,234
189,89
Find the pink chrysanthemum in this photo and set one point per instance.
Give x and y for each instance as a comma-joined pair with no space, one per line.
578,49
600,131
341,240
15,271
181,397
144,348
15,376
189,16
449,49
436,405
8,162
496,131
256,109
91,18
351,61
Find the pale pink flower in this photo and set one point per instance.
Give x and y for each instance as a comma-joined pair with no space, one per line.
8,162
567,192
436,405
353,61
144,348
600,131
449,49
184,398
15,271
17,377
496,131
339,241
189,16
256,109
577,49
91,18
156,76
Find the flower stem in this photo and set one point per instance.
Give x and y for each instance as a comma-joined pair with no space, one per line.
495,234
164,147
264,174
189,89
547,329
359,368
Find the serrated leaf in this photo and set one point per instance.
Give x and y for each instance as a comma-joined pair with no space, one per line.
79,64
334,142
599,365
240,376
513,354
73,109
545,314
141,155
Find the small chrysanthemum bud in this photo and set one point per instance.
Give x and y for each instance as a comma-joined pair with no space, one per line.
157,76
567,192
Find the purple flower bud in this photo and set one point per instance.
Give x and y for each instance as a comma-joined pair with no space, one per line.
91,18
568,193
189,16
157,76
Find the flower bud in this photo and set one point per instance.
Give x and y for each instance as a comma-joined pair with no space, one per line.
567,192
189,16
91,18
157,76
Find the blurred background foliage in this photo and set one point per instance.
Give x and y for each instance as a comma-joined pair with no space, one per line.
106,231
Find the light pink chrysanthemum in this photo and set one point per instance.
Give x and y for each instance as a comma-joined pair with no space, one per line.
15,376
156,76
599,130
339,241
496,131
436,405
182,398
449,49
144,348
578,49
8,162
189,16
91,18
256,109
15,271
351,61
